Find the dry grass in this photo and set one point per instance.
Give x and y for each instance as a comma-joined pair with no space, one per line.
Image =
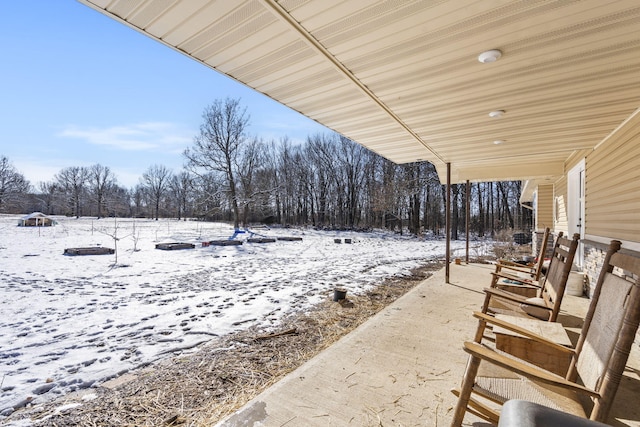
203,387
506,248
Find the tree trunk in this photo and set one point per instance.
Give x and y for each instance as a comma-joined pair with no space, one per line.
480,212
455,211
491,201
505,204
233,195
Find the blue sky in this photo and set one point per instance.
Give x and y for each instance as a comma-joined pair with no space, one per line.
78,88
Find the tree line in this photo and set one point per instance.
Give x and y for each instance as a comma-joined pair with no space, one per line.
326,182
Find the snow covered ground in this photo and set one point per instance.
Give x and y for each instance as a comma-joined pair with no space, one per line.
70,322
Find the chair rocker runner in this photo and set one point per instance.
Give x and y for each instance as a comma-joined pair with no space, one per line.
598,360
546,305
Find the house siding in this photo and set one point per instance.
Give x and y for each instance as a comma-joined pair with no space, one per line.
575,158
561,192
612,188
611,200
544,214
560,220
612,203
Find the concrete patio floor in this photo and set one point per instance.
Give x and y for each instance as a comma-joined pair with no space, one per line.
397,368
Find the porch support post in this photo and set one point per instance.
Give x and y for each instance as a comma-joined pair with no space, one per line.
447,225
467,219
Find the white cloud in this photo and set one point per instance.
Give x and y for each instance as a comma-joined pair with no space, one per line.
37,170
147,136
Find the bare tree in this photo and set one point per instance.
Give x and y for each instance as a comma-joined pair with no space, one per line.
47,196
181,188
13,184
156,180
285,187
210,202
114,235
72,181
328,181
117,200
271,200
137,196
100,179
481,212
385,195
249,166
217,147
327,161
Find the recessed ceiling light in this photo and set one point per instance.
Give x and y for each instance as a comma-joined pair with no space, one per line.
496,114
490,56
498,141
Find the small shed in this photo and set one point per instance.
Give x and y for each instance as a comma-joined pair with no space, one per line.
36,219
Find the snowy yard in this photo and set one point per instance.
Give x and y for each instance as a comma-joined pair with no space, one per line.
70,322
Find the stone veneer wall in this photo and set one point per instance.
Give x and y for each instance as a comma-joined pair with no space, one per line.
537,241
594,254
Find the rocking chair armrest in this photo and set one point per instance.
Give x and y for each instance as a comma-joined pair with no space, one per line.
522,331
526,370
523,281
517,267
507,263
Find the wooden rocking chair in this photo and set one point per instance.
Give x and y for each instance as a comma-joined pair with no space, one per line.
521,278
546,305
597,365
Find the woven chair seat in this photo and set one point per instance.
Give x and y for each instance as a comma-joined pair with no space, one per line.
507,386
499,385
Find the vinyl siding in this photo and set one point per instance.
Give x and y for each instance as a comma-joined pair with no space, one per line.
574,159
560,220
560,192
612,188
544,214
